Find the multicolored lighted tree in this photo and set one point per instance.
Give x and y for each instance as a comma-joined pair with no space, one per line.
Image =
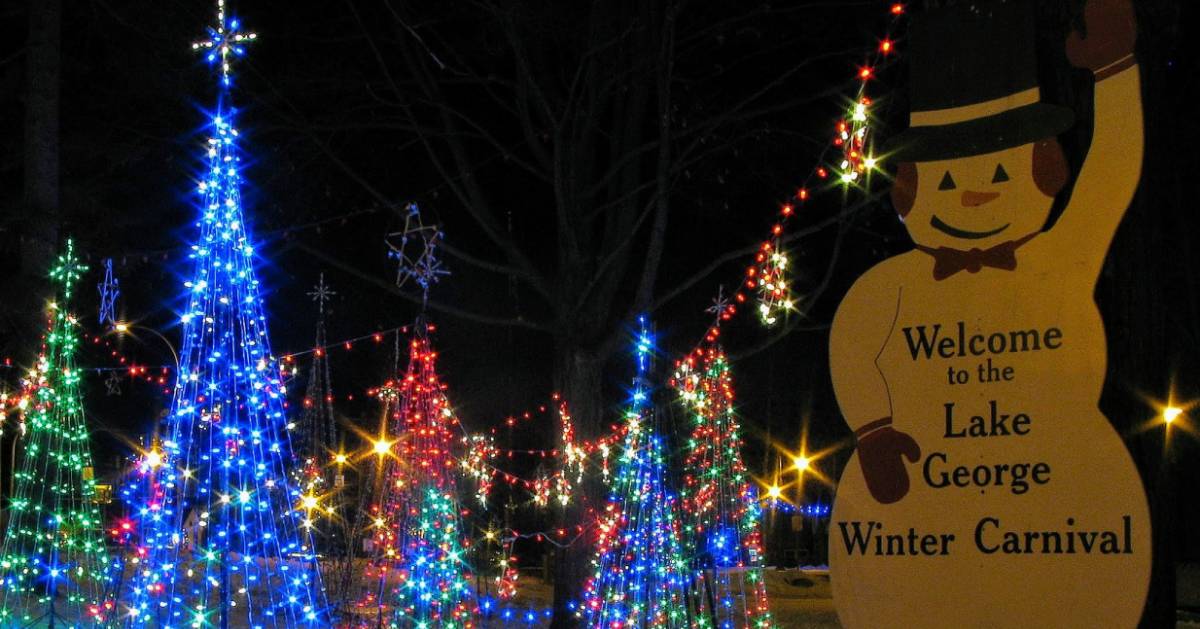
418,565
220,535
54,569
722,511
641,576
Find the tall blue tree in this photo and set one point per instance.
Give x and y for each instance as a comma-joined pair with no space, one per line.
222,538
641,576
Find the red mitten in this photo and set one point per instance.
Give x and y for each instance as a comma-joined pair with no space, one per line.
879,450
1108,46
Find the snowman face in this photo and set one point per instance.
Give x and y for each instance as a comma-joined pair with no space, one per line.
977,201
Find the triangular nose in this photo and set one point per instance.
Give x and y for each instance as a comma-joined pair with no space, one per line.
970,198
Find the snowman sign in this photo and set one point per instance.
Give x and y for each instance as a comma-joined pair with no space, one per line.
987,489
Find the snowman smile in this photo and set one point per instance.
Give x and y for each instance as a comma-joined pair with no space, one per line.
950,230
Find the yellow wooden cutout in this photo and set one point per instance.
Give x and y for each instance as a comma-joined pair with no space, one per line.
987,489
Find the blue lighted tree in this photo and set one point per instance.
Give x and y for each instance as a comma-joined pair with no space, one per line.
641,576
222,537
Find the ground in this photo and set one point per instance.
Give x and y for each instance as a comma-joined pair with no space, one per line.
800,599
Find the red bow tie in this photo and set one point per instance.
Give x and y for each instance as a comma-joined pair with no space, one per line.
947,261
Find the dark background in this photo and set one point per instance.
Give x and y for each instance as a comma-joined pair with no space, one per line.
133,104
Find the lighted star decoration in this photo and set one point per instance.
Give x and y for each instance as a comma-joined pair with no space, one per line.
225,39
415,249
113,384
109,291
321,294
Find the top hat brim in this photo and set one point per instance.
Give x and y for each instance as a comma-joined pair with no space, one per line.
1014,127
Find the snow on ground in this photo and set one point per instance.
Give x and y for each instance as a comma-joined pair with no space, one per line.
800,599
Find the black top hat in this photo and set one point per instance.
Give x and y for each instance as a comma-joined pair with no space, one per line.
973,83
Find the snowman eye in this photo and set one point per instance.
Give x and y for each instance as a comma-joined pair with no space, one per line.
947,182
1000,175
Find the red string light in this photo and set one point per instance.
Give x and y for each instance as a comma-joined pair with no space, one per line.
768,277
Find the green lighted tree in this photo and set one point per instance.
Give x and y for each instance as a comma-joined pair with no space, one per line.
53,564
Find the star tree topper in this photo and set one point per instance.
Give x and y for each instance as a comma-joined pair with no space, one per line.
416,252
322,294
225,39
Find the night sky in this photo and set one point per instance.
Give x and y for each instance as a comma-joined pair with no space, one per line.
133,106
332,163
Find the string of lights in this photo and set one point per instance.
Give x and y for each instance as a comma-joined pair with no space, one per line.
814,510
377,337
851,142
573,457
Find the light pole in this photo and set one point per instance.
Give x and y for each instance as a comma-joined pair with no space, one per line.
123,328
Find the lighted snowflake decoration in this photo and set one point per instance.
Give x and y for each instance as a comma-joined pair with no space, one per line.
321,294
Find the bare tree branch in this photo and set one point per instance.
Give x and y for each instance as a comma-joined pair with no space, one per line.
468,191
14,56
730,256
478,262
654,250
614,255
791,326
507,151
809,299
525,86
736,112
519,321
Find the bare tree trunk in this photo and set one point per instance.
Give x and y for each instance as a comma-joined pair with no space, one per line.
37,232
578,374
43,70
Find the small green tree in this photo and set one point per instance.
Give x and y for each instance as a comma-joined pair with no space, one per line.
53,567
